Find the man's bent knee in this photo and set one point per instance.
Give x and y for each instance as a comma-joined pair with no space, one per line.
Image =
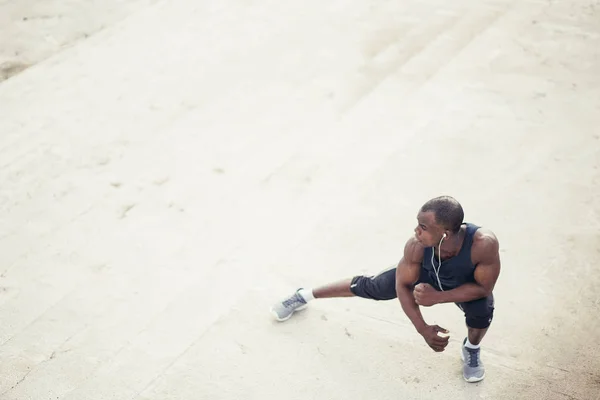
479,322
479,313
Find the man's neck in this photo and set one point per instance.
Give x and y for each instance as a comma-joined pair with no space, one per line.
451,247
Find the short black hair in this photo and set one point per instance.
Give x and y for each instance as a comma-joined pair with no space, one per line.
447,210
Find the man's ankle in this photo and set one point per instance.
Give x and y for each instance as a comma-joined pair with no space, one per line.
307,294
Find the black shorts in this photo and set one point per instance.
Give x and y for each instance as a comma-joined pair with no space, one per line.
478,313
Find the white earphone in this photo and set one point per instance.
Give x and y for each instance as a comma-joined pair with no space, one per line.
439,260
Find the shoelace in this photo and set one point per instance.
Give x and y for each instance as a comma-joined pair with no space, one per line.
292,301
473,357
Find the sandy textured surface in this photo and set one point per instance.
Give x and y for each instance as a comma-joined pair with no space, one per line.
33,30
169,177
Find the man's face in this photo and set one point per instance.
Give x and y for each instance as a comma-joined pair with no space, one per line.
428,232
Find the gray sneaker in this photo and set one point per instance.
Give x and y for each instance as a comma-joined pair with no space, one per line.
283,310
473,370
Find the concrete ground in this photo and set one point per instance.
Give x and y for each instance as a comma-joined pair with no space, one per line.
171,169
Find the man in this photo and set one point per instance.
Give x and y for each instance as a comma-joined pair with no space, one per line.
447,261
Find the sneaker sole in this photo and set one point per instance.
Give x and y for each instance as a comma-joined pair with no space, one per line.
473,379
276,316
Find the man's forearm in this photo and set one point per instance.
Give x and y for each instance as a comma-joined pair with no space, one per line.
410,307
463,293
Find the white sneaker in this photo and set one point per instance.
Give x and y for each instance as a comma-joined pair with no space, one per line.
473,370
283,310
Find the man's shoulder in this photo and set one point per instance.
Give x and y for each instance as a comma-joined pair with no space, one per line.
485,244
414,250
484,235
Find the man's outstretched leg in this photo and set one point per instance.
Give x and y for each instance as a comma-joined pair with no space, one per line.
377,287
298,301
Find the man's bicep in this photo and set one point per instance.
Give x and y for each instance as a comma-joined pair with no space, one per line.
487,275
407,273
488,269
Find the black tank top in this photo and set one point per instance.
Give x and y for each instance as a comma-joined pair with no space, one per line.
456,270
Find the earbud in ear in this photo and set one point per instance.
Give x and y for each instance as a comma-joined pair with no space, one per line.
445,235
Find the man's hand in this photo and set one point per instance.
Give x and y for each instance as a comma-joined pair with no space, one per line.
426,295
436,342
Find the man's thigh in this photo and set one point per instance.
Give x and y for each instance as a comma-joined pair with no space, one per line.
382,286
375,287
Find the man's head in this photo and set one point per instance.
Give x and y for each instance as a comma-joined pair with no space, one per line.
439,216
